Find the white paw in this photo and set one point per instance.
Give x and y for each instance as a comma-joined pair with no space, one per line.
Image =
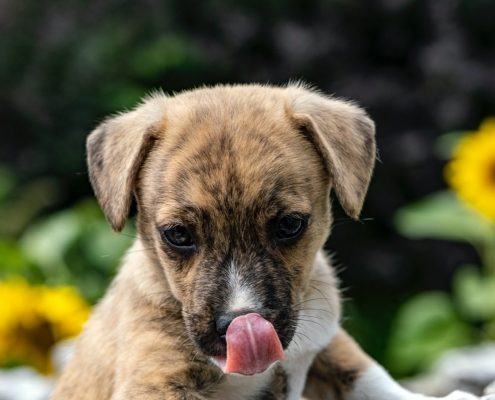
490,390
458,395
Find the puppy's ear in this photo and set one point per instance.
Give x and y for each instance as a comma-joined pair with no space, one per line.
116,150
344,136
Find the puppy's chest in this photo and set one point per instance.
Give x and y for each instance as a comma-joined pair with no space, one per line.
283,381
273,384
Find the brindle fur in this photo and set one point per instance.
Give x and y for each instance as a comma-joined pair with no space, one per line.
226,161
335,369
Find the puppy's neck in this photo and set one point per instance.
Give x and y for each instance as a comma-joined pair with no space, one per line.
318,320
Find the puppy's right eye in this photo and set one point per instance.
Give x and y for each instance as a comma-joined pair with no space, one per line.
178,237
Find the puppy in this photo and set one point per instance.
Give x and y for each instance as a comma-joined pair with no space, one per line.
226,293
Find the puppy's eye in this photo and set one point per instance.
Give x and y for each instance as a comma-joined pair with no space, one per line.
178,237
290,227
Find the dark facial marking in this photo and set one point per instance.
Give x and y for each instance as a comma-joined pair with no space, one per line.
268,277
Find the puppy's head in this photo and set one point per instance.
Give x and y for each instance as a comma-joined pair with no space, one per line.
232,186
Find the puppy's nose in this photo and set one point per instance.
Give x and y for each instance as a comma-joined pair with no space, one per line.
223,320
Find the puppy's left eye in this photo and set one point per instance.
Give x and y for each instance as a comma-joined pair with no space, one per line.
289,227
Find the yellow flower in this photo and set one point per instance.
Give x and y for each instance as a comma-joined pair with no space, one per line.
34,318
471,172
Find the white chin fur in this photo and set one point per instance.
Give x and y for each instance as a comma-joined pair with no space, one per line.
316,327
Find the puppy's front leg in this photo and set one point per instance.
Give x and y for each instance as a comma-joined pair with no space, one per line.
157,361
342,371
155,369
183,384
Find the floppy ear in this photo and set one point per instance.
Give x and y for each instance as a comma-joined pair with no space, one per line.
116,150
344,136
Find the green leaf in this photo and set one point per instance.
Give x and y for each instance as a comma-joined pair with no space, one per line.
446,144
426,326
46,242
104,248
489,331
442,216
13,262
101,246
76,246
474,294
12,259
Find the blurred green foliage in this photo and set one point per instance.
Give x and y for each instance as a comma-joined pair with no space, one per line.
64,66
426,326
443,216
430,323
73,246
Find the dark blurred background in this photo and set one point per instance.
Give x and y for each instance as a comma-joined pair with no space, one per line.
421,68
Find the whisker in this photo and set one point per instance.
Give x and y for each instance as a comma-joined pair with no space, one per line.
306,336
323,282
326,298
308,300
316,309
137,250
310,316
308,320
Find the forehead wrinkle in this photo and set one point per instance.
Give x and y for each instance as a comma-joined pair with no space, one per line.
271,200
235,187
183,210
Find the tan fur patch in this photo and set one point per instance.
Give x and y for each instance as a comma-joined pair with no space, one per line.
336,369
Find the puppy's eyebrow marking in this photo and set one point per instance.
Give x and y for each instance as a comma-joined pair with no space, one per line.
241,296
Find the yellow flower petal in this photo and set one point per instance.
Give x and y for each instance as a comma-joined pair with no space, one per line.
471,172
34,318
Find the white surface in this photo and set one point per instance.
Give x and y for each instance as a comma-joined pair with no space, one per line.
470,369
23,384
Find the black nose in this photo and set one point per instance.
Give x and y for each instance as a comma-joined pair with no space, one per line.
223,320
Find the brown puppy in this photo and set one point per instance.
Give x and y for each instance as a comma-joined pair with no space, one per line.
232,185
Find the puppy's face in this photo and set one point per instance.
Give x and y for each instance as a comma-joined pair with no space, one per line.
232,185
236,213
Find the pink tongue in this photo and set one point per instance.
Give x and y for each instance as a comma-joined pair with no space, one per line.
252,345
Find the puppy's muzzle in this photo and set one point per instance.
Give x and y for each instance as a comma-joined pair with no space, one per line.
223,320
252,343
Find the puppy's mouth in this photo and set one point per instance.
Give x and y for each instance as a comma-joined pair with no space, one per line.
252,346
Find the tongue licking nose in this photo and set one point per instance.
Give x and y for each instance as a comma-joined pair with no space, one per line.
252,345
